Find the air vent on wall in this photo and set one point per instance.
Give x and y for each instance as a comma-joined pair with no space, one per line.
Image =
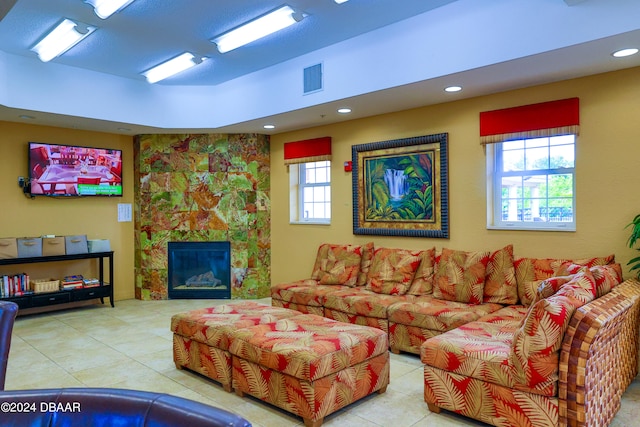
313,78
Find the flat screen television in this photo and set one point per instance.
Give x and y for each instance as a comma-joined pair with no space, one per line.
70,170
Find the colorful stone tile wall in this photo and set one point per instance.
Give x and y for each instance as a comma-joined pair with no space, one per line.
203,187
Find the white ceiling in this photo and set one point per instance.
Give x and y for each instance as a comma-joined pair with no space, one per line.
378,56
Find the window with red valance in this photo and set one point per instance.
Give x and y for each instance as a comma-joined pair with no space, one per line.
561,117
531,165
308,150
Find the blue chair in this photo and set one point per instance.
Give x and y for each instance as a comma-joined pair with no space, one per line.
8,311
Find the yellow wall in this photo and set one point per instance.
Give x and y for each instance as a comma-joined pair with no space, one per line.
96,217
607,176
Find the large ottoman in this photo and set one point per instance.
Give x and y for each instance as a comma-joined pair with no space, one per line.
201,337
309,365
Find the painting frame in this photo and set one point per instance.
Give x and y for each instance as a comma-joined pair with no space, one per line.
400,187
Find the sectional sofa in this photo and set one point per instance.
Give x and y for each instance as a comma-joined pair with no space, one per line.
508,341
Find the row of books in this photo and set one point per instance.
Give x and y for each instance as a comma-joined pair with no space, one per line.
78,281
19,284
16,285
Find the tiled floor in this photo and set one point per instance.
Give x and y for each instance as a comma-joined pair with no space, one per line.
129,346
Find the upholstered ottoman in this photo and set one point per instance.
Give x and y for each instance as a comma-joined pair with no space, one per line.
309,365
201,337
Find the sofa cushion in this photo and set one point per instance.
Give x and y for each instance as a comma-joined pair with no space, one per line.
304,292
606,276
392,270
530,272
537,342
436,314
365,263
362,302
478,349
512,314
422,283
500,281
323,249
340,266
460,276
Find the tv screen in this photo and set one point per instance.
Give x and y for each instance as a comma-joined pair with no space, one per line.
69,170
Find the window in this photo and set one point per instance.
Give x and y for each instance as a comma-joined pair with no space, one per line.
531,184
310,192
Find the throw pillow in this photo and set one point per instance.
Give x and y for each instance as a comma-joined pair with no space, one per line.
365,263
321,255
500,281
606,276
341,265
460,276
392,270
423,279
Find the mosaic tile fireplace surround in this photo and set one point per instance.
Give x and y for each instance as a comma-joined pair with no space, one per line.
202,188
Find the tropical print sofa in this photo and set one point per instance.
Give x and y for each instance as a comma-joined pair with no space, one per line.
498,335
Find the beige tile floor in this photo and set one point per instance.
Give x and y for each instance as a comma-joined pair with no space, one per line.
130,346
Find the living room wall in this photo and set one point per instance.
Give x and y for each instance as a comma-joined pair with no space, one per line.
606,176
97,217
203,187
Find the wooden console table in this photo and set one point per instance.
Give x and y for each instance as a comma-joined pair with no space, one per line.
65,296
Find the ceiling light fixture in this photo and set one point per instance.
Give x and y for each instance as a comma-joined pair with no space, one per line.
625,52
340,1
344,110
262,26
452,89
269,126
172,67
106,8
62,38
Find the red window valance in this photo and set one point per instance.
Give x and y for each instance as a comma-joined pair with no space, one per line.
552,118
308,150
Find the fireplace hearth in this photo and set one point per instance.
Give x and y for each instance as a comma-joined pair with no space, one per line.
199,270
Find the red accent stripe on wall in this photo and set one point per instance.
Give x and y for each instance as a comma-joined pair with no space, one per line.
546,115
307,148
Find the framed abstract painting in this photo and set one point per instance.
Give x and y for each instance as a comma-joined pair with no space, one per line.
400,187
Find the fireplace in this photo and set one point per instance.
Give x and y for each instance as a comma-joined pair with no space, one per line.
199,270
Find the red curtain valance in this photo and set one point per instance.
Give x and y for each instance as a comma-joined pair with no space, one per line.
308,150
529,121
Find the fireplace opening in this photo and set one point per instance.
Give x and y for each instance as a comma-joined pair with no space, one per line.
199,270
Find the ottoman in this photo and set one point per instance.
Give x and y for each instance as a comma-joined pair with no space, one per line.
201,337
309,365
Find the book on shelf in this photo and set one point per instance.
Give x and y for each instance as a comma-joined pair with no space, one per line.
14,285
91,283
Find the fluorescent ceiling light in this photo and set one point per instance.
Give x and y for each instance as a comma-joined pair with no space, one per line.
60,39
453,89
269,126
344,110
625,52
171,67
256,29
341,1
106,8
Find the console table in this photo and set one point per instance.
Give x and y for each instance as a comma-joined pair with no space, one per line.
65,296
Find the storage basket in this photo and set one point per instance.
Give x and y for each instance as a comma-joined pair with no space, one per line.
45,285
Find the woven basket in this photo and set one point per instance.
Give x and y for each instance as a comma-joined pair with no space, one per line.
45,285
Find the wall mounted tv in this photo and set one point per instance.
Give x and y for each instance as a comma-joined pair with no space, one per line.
69,170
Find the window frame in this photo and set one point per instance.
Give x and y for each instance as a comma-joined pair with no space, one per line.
494,190
298,185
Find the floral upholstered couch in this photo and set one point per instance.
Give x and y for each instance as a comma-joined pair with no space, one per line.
509,341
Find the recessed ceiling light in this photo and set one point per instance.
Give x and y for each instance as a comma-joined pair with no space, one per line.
344,110
269,126
453,89
625,52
